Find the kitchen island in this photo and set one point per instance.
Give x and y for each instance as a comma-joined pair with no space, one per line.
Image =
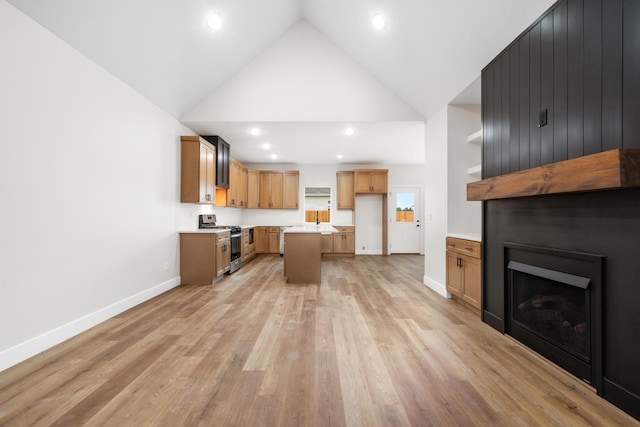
303,252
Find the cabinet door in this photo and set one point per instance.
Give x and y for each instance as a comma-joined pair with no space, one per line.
344,243
274,243
223,257
203,194
349,244
471,291
379,182
265,190
362,182
261,240
232,192
276,190
253,189
207,173
290,190
327,243
454,274
345,190
243,191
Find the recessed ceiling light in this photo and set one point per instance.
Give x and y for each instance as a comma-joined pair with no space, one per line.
349,131
214,21
339,156
274,156
266,146
255,131
379,21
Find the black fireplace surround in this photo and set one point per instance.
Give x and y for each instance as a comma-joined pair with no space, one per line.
594,237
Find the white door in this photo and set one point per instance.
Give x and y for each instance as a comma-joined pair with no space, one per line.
405,228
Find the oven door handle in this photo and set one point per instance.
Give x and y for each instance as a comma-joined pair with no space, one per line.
237,235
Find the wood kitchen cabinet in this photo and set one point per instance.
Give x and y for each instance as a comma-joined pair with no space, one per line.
248,251
464,270
327,243
197,171
370,181
345,196
344,241
278,190
253,189
274,240
290,189
261,239
223,160
223,253
271,189
204,257
237,192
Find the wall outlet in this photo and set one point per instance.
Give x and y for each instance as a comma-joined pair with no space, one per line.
166,266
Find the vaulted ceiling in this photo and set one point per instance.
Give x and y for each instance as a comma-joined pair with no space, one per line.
428,53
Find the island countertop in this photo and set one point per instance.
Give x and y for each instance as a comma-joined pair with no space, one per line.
312,228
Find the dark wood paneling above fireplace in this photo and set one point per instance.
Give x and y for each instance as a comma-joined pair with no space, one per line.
578,65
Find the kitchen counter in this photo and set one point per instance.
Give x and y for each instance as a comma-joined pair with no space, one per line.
206,231
312,228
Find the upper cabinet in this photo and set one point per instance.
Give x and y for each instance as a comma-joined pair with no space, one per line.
279,190
556,93
198,171
237,192
370,181
223,163
290,189
345,194
270,190
253,189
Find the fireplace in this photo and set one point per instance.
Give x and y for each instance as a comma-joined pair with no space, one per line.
554,302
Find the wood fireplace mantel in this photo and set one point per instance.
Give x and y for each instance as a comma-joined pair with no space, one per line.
610,170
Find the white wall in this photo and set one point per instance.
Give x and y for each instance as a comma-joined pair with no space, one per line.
302,76
464,218
436,201
89,187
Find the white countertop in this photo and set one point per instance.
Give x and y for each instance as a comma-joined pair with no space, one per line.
206,231
465,236
312,228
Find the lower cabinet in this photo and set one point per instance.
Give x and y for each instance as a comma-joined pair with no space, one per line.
342,242
223,253
327,243
464,279
261,239
248,250
273,246
204,257
267,240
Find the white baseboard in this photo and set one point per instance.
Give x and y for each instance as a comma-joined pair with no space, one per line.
369,252
23,351
436,286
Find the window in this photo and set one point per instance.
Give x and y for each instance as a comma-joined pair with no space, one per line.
405,203
317,204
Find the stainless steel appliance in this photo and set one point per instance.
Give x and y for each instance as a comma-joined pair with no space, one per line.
209,222
236,248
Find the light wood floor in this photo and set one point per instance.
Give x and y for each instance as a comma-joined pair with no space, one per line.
370,346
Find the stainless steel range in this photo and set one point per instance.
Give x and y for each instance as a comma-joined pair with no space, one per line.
209,222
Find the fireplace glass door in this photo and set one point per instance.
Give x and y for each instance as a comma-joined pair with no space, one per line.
554,311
